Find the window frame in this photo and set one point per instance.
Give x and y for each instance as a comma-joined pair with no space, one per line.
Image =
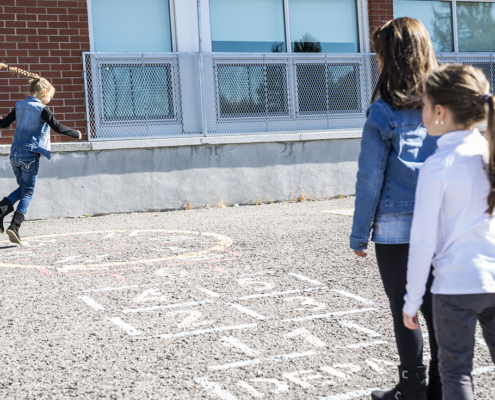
172,26
455,37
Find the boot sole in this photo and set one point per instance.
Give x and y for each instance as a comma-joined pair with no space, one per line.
13,237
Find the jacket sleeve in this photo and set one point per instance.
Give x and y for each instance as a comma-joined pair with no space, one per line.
47,116
375,148
8,120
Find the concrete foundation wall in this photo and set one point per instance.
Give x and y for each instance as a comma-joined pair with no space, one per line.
143,179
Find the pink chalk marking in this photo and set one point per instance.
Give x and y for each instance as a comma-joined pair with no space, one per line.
215,268
117,276
44,270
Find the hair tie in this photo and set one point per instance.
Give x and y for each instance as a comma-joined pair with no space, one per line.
485,98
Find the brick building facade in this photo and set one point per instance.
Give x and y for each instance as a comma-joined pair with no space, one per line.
47,37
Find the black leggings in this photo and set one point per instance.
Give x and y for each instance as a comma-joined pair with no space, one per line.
392,262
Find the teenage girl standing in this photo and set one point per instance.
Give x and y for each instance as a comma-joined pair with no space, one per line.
394,146
453,223
31,140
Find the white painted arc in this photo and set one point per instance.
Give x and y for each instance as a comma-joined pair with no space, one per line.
232,341
202,331
353,296
215,388
129,329
90,302
360,328
247,311
304,278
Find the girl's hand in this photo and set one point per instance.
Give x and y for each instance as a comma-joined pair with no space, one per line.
410,322
80,135
360,253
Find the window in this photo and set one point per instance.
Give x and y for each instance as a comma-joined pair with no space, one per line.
327,26
471,30
247,25
252,90
127,25
134,92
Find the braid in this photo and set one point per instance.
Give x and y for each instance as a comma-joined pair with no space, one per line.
22,72
37,83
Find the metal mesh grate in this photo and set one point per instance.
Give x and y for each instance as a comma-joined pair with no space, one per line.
144,95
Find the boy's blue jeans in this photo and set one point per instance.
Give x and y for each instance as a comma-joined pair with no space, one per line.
25,165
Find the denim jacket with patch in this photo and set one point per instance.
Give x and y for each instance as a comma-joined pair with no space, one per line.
394,146
31,133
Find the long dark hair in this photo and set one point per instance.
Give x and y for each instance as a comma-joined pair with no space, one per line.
405,50
464,90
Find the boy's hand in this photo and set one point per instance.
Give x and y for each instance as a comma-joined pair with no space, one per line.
80,135
360,253
410,322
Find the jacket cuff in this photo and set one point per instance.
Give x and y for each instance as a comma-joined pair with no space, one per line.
410,308
358,244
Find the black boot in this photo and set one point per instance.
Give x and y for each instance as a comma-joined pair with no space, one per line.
6,207
412,386
13,230
434,390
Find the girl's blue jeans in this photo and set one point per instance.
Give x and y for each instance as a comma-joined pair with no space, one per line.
25,165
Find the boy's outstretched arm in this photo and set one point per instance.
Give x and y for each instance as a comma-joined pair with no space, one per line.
8,120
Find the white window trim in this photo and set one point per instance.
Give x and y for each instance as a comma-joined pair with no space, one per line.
91,29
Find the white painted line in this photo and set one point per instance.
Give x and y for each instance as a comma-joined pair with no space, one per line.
129,329
232,341
308,337
90,302
215,388
304,278
207,291
334,314
133,233
353,395
250,389
293,355
483,370
362,344
255,296
192,303
235,365
203,331
247,274
353,325
258,361
70,269
247,311
481,342
122,287
353,296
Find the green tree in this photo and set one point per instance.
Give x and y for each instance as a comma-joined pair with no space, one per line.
308,44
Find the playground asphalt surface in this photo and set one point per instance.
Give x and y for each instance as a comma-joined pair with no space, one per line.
245,302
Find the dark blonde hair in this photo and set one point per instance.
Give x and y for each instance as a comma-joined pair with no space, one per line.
465,91
37,83
407,57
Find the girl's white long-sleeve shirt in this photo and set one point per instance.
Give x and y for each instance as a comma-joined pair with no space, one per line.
450,227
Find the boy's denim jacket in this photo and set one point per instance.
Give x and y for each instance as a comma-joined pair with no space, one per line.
31,132
394,146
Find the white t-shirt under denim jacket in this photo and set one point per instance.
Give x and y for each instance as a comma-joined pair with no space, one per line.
450,224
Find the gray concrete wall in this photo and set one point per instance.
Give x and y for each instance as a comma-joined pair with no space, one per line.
143,179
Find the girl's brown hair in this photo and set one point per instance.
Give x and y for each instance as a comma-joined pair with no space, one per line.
406,53
37,83
465,91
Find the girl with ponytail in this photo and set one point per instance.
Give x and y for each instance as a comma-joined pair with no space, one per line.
453,225
31,140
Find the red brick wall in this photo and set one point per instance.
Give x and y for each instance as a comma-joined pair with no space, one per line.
46,37
380,11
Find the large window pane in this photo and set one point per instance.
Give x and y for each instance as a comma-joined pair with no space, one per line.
476,26
136,92
435,15
247,25
127,25
328,26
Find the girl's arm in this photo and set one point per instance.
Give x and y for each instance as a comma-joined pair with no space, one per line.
47,116
9,119
424,234
375,148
